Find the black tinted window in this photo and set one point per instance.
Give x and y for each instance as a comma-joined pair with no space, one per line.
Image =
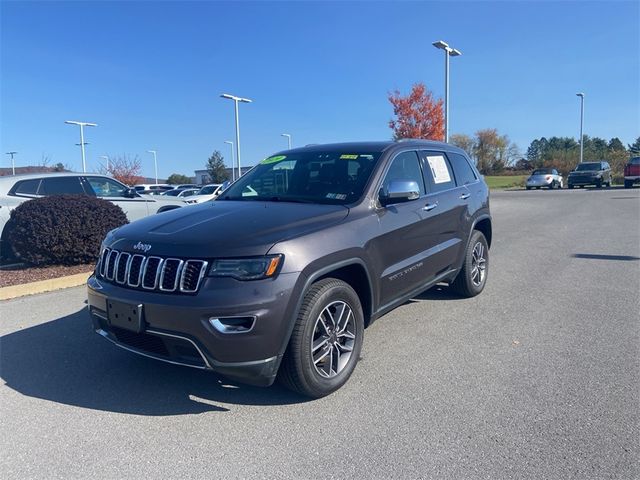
27,187
60,185
438,171
461,168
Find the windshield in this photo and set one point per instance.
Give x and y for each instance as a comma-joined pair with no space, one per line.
585,167
172,193
308,177
208,189
542,171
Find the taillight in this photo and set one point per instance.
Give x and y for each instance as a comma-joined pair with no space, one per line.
548,177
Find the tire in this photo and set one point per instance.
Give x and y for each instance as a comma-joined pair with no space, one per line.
599,184
552,185
465,283
324,300
628,184
528,188
570,187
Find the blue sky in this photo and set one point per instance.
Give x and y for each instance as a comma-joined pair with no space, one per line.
150,73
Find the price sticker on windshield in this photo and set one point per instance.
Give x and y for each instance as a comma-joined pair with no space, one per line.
276,159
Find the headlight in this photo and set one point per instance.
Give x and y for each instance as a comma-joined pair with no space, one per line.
255,268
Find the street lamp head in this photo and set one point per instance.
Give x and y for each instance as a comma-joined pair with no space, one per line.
455,53
229,142
151,151
441,45
237,99
580,95
83,124
285,135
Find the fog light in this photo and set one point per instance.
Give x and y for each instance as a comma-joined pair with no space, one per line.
233,324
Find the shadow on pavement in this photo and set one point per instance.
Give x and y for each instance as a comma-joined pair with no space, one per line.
64,361
593,256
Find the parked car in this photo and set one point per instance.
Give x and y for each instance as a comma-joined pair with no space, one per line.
206,193
632,172
181,192
19,188
544,177
590,173
182,186
152,188
335,237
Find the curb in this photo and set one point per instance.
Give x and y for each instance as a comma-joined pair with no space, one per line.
15,291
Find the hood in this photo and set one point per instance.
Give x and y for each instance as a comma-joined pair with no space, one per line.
224,228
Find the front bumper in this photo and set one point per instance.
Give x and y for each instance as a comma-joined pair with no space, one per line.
538,183
176,328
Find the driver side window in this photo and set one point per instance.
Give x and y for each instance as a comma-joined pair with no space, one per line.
405,167
106,188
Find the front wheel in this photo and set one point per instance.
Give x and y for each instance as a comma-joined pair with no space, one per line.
473,276
326,341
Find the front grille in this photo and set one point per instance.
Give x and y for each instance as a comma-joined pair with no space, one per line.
151,273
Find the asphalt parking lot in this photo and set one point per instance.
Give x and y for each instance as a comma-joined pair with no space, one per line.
538,377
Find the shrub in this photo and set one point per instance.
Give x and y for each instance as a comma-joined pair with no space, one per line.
62,229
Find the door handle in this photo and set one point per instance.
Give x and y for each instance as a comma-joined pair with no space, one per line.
464,196
430,206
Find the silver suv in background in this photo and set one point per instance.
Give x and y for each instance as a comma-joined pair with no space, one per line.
17,189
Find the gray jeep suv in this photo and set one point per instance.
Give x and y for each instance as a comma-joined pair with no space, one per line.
281,274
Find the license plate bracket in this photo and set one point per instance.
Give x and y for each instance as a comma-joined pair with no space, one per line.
125,315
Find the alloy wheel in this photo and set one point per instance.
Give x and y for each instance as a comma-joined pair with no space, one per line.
478,264
333,339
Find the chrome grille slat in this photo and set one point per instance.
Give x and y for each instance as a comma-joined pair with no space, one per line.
132,268
152,269
166,274
122,267
151,273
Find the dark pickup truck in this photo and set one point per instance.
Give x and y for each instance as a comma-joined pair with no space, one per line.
280,274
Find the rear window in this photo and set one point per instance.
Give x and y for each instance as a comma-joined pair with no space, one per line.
585,167
635,161
461,169
542,171
27,187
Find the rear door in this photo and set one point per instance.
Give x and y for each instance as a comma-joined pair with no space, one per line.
451,212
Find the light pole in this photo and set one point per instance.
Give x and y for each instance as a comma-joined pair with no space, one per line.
82,144
236,100
13,164
448,52
288,138
106,157
233,161
155,163
581,95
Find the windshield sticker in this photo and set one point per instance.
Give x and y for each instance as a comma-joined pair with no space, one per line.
439,169
276,159
348,157
336,196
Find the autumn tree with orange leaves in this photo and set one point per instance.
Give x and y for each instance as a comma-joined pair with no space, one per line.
124,169
418,115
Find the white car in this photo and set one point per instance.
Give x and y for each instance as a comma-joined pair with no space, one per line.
206,193
17,189
544,177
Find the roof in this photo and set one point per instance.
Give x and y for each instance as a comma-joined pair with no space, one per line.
372,146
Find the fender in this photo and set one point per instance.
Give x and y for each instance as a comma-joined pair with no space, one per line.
309,280
479,218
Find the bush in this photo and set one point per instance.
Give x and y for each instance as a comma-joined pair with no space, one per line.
62,229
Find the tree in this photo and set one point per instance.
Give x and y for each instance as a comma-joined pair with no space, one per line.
492,151
465,142
124,169
216,168
176,179
615,144
634,148
418,115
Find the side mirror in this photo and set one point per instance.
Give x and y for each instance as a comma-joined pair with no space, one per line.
400,191
130,193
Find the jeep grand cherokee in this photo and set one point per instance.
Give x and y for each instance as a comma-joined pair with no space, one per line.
281,274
